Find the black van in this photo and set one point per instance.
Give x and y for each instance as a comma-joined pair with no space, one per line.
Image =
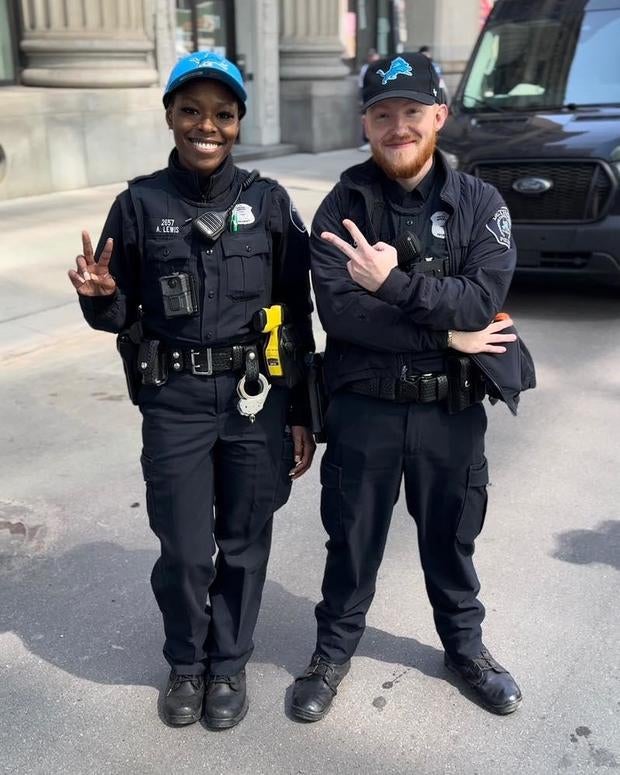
537,114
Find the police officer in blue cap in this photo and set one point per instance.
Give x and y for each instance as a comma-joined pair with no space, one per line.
188,257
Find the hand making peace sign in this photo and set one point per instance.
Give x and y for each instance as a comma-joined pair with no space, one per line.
93,277
369,265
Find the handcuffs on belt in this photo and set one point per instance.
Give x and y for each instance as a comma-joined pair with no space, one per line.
249,405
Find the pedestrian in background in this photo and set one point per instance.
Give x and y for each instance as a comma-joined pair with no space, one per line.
193,252
426,51
404,401
371,56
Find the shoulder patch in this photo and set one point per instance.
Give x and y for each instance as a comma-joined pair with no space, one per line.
500,226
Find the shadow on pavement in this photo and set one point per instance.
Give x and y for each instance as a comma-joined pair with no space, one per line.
91,613
286,635
584,547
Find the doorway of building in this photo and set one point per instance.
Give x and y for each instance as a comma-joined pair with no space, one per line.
205,25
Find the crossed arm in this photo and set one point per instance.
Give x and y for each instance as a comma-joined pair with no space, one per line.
348,280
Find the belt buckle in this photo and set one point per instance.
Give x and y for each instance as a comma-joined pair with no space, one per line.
198,367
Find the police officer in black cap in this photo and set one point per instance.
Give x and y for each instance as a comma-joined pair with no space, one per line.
411,263
192,254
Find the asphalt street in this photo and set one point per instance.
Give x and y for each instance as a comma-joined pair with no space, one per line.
81,669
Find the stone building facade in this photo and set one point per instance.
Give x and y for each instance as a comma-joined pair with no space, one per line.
81,80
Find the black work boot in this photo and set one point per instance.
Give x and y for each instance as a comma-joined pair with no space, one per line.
183,699
316,688
226,701
496,688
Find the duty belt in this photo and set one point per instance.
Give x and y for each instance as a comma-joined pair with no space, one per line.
205,361
421,388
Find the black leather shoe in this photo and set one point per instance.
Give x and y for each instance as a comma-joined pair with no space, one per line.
226,701
496,688
183,699
316,688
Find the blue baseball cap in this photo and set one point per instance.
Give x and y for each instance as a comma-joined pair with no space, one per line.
206,64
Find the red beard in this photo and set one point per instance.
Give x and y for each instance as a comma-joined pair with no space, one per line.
410,164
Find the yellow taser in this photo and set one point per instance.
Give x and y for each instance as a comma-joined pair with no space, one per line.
268,321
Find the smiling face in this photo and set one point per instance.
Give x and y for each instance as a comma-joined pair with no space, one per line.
402,135
204,118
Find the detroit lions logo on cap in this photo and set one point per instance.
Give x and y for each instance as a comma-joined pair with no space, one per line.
397,67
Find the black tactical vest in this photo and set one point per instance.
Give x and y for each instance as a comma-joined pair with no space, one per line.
425,217
232,277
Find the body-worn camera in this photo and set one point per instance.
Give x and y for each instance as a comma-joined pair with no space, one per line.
178,294
410,258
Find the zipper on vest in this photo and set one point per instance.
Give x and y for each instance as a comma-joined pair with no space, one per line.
451,257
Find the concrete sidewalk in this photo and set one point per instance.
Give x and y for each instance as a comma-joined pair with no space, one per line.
40,237
81,669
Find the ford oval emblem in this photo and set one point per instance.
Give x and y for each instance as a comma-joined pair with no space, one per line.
532,185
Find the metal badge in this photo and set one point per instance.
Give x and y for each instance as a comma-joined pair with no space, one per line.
250,406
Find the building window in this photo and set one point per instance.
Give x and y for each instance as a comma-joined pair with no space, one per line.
205,24
381,25
7,46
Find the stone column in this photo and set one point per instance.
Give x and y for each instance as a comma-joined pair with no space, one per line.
318,99
164,12
257,43
87,43
310,47
450,27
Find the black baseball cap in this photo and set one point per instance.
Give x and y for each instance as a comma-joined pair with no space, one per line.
408,76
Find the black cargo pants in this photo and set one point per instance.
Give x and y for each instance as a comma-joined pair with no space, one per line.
371,445
213,480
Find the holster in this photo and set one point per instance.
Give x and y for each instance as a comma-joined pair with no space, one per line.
317,395
466,384
152,363
436,267
292,357
128,346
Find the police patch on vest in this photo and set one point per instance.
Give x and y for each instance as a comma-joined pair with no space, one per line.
296,218
438,222
500,226
243,214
